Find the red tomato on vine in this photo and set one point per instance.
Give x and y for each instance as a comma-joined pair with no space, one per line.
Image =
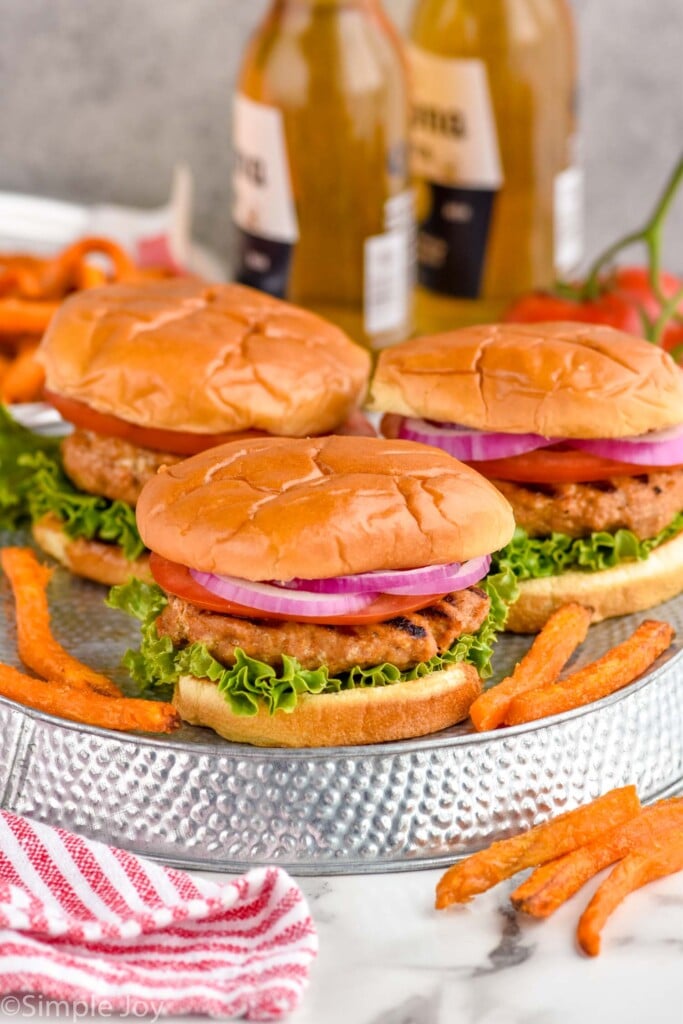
643,300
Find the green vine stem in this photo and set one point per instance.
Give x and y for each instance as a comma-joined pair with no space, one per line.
651,236
669,310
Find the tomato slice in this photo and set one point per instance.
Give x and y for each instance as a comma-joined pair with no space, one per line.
560,464
176,579
176,442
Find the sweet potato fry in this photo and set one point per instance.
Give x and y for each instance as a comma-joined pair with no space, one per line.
554,883
542,843
38,648
87,275
30,277
638,868
24,378
31,290
63,273
616,669
88,708
25,316
20,275
552,648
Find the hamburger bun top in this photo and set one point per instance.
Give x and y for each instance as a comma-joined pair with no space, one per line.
275,509
203,358
555,379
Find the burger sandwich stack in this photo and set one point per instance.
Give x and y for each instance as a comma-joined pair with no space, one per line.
149,374
581,428
319,592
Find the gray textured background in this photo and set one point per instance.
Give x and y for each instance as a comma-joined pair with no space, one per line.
98,99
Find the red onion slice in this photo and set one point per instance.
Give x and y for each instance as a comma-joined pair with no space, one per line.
463,576
268,597
429,579
311,598
658,448
471,445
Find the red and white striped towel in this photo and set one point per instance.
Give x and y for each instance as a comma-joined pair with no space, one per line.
86,923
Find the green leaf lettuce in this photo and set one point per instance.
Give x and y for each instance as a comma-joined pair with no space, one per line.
535,557
33,484
16,478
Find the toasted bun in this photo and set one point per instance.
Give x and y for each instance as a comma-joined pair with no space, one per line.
182,355
555,379
275,508
629,587
92,559
347,718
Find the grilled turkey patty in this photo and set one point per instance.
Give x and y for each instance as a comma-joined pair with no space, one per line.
644,504
404,641
110,467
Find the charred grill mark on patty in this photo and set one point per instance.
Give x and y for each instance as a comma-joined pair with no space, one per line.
411,628
645,503
418,638
110,467
604,486
547,489
435,611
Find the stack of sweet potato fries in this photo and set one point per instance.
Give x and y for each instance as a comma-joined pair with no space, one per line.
531,692
67,688
31,290
644,843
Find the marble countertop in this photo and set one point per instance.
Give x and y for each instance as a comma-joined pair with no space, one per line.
387,957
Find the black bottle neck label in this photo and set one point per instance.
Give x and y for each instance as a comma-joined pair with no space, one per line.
452,240
262,263
456,162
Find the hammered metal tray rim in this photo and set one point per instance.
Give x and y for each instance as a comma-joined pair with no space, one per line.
411,745
358,866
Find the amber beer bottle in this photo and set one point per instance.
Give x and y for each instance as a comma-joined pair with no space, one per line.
324,209
494,140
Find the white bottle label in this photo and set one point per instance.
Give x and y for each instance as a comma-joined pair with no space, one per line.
263,210
568,220
389,268
455,153
454,138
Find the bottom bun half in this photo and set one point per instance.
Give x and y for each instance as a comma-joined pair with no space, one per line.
629,587
364,715
92,559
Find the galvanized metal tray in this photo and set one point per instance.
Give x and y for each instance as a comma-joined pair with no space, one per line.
195,800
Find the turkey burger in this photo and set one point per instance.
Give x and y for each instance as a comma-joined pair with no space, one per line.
149,374
581,428
319,592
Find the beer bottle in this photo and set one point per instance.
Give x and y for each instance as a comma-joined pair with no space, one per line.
323,207
499,192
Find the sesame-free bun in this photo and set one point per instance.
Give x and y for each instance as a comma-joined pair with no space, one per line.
92,559
415,707
628,587
203,358
276,508
555,379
